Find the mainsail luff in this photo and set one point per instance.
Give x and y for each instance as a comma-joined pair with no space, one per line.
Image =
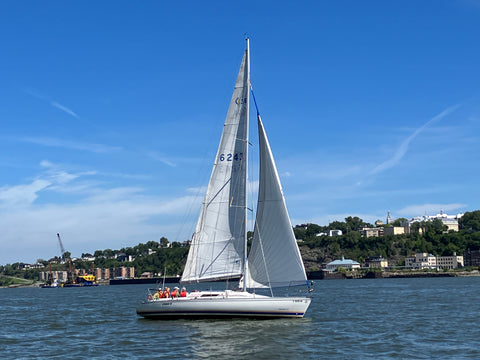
218,246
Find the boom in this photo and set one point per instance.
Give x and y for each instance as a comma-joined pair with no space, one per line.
62,249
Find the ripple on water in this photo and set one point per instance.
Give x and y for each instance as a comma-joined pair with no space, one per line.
361,319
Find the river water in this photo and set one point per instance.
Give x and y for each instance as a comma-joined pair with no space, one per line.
422,318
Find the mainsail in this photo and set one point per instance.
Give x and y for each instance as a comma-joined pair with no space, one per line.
217,250
274,259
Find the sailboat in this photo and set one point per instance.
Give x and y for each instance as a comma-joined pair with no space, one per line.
218,249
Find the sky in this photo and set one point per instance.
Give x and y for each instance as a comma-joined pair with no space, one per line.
111,113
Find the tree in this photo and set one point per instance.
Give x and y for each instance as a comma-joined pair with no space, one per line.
338,225
399,222
437,226
313,230
470,221
108,253
355,223
164,242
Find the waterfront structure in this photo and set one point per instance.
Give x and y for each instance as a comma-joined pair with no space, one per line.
376,262
347,264
60,276
472,257
450,262
100,274
422,261
124,272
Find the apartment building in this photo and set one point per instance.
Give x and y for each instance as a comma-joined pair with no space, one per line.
421,261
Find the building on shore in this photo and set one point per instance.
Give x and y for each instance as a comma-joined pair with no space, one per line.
60,276
376,262
347,264
100,274
472,257
423,261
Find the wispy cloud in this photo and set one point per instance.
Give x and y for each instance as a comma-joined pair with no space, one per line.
421,209
97,217
403,148
63,108
158,157
22,195
67,144
37,94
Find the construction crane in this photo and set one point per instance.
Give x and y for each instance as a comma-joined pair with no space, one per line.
62,249
70,272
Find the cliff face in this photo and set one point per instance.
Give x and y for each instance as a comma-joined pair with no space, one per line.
314,258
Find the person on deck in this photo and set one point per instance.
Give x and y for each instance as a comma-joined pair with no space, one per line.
166,292
175,292
183,293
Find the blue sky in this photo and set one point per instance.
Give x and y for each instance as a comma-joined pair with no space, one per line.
111,113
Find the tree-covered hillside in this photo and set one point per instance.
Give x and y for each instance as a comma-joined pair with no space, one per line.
316,247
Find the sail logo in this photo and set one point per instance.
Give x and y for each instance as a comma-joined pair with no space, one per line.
240,101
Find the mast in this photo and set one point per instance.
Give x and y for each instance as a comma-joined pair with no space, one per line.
217,251
246,162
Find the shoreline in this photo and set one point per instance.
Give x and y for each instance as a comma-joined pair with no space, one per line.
322,275
312,275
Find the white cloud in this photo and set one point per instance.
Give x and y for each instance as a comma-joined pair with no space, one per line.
74,145
22,195
63,108
403,148
37,94
101,218
429,209
158,157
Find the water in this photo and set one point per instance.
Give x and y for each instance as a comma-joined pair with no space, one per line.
348,319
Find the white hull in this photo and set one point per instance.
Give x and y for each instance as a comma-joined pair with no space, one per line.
208,304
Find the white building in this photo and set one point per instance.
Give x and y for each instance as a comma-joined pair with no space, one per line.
428,261
344,263
451,221
421,261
